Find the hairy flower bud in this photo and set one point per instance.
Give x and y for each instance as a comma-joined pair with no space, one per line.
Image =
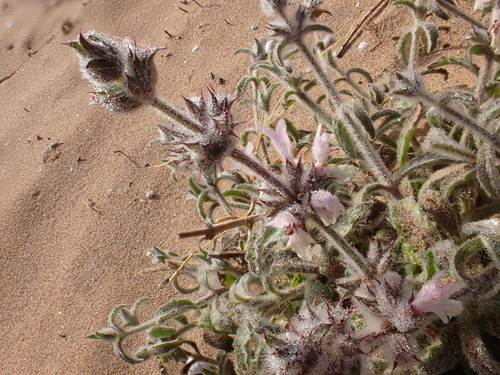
122,76
100,57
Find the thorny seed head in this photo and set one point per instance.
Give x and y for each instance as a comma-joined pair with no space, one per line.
212,144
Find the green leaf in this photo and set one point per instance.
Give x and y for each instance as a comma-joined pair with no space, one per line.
412,224
350,217
364,119
406,135
107,334
404,46
161,332
174,308
361,71
430,264
492,89
421,161
478,49
316,27
466,252
344,139
242,346
487,171
292,130
450,60
222,323
202,198
407,3
437,10
431,34
440,143
244,82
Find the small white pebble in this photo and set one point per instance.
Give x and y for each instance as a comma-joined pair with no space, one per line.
363,46
196,48
254,27
150,194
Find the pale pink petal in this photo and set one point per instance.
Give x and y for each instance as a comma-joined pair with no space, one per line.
480,4
495,31
300,242
326,205
283,220
321,147
332,171
433,298
280,141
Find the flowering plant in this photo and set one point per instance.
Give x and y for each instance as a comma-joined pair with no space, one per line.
366,243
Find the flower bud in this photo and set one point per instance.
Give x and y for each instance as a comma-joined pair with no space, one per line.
100,57
122,76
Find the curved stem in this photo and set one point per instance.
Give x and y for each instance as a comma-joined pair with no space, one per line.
484,74
333,95
452,8
221,200
462,119
248,162
177,115
350,254
364,145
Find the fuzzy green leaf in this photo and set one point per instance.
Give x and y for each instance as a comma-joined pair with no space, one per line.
344,139
404,46
487,171
450,60
173,308
406,135
353,215
161,332
431,34
242,346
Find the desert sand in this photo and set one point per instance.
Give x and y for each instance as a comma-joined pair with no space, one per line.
75,223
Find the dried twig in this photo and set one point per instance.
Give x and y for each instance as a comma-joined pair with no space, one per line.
212,230
128,157
349,38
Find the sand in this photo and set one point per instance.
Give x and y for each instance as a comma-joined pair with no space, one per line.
75,223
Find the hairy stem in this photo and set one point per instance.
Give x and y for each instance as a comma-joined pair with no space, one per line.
248,162
484,75
177,115
332,93
351,255
364,145
457,116
452,8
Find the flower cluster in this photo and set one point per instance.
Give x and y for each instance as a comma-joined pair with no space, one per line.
317,340
307,184
209,141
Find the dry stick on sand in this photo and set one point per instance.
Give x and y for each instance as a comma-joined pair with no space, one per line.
348,39
212,230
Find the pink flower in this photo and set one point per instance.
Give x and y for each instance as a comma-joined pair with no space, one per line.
495,31
480,4
321,151
433,298
321,147
299,240
326,205
280,141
